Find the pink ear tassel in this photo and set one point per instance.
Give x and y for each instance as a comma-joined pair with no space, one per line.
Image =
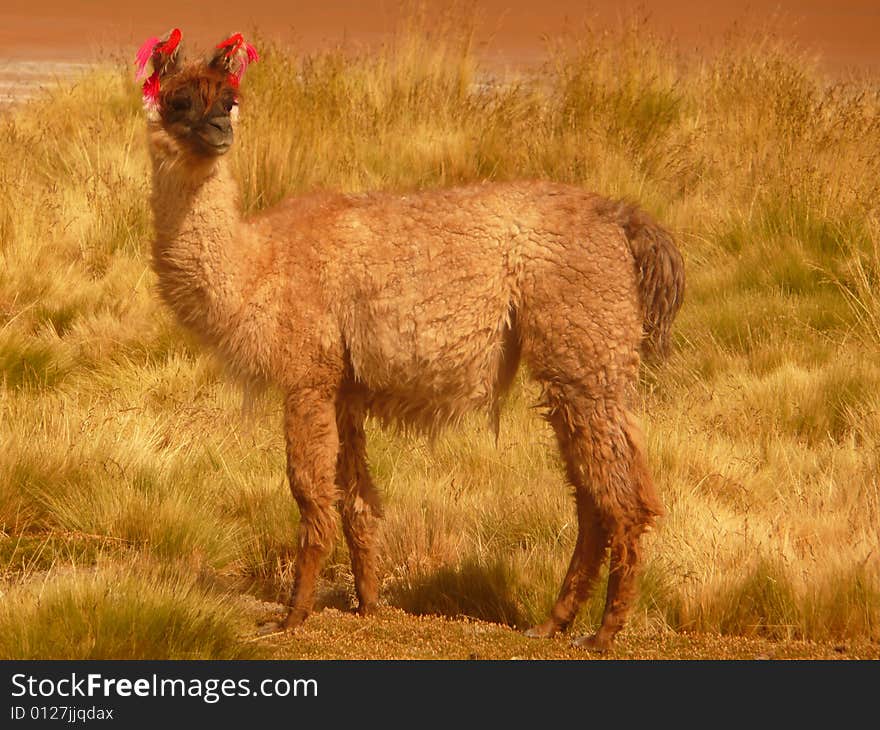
250,56
144,54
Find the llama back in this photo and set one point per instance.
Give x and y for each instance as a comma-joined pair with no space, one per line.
426,288
423,287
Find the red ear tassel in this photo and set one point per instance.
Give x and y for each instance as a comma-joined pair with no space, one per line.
233,45
169,46
151,90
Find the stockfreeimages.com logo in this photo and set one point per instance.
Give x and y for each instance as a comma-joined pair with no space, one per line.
209,690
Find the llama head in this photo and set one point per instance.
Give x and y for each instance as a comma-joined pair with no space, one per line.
194,102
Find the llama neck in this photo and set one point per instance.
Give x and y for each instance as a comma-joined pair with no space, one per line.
198,253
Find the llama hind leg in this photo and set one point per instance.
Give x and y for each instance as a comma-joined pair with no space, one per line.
621,591
312,449
640,511
592,539
361,509
602,451
589,553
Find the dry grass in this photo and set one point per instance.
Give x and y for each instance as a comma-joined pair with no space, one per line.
121,445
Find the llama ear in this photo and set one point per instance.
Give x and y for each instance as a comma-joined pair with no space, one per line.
164,55
233,56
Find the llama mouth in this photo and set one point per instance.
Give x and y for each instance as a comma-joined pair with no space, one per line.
212,147
220,147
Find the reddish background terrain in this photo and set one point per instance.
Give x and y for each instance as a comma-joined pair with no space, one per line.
845,33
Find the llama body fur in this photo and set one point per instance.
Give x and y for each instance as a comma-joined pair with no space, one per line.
418,308
416,291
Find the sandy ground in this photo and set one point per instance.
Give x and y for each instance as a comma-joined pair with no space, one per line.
394,634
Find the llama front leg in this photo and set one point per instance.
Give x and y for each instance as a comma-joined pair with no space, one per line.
361,509
312,449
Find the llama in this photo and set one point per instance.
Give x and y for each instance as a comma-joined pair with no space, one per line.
414,309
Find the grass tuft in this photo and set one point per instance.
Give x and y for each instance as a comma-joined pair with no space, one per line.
119,613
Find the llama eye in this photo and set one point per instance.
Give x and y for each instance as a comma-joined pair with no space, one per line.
180,104
228,104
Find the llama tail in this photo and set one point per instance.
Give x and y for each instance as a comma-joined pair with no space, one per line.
660,274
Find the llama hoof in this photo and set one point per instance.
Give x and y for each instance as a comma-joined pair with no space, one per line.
295,618
594,643
269,627
546,630
367,609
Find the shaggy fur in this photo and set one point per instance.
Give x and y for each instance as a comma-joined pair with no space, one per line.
417,309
